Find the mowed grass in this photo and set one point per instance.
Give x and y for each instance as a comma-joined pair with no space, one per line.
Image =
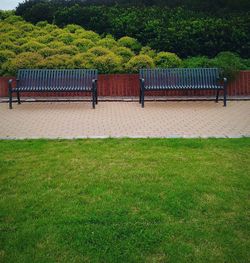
125,200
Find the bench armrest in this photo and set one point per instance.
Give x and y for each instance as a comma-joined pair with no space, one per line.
222,79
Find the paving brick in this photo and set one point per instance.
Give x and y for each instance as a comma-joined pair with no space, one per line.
171,119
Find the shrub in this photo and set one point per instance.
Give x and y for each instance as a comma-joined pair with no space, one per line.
56,44
83,44
46,39
6,55
246,63
9,46
24,60
47,52
124,52
66,38
138,62
148,51
72,28
57,62
13,19
107,42
167,60
70,50
110,63
99,51
83,60
130,42
196,62
42,24
88,35
229,62
32,46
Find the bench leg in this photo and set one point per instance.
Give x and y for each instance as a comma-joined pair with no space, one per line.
18,97
96,96
93,98
217,95
10,98
225,96
142,98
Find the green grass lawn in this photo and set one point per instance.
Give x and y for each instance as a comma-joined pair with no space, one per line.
125,200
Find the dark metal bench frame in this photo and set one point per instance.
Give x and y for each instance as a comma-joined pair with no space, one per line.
93,90
144,88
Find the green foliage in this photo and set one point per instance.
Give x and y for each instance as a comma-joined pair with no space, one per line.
148,51
138,62
107,42
99,51
167,60
109,63
10,46
83,44
130,42
163,27
32,46
66,38
47,52
70,50
84,60
196,62
124,52
74,47
5,55
230,64
57,62
27,60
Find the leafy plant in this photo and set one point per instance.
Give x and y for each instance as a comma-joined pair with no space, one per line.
167,60
138,62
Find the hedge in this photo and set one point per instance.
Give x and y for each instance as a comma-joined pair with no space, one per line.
48,46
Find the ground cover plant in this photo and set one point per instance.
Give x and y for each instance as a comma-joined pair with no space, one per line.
125,200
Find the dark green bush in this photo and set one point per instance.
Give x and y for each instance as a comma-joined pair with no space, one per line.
230,64
196,62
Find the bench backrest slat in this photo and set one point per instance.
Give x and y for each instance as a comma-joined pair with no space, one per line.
180,77
58,79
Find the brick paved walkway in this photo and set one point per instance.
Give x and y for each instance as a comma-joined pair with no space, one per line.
125,119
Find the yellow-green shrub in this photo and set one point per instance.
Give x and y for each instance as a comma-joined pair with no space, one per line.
167,60
138,62
24,60
130,42
110,63
6,55
47,52
71,28
66,38
148,51
83,44
99,51
32,46
70,50
107,42
56,44
124,52
9,46
83,60
57,62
